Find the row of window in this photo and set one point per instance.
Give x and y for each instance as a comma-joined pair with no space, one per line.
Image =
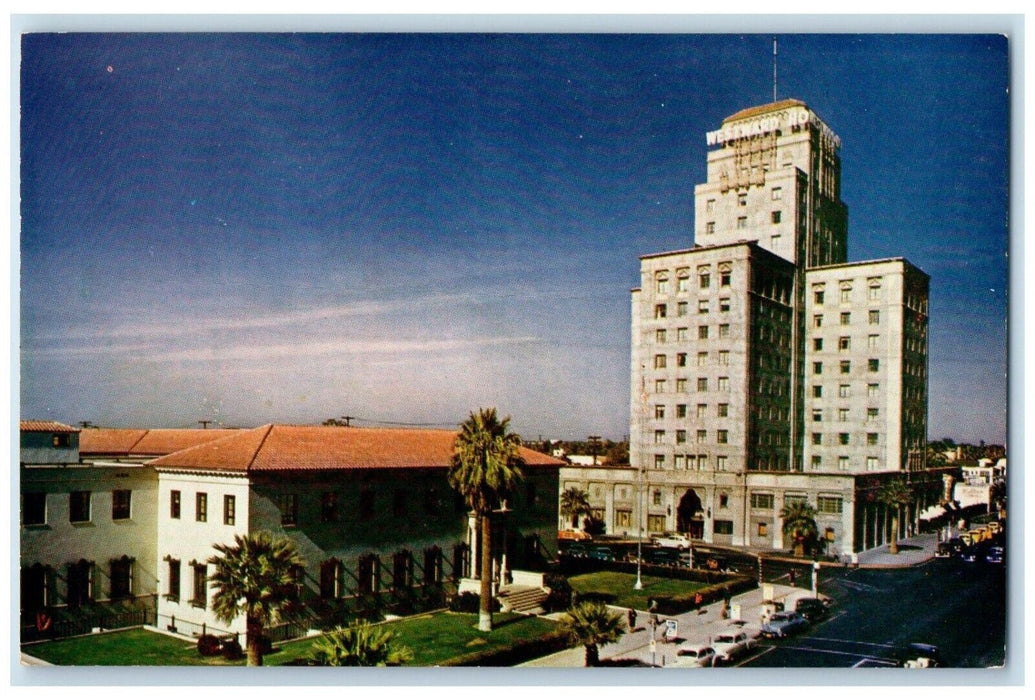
844,391
722,437
704,278
80,507
872,439
845,318
845,366
826,505
82,580
198,581
844,343
201,507
722,410
690,462
844,462
873,287
844,414
775,217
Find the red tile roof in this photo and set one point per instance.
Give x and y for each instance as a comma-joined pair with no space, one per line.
148,443
764,109
316,448
45,426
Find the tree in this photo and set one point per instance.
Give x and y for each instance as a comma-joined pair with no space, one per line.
799,521
486,468
574,504
359,645
895,494
593,625
617,453
254,576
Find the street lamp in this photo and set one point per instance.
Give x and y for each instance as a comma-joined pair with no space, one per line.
638,586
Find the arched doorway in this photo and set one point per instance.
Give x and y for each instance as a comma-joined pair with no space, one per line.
690,515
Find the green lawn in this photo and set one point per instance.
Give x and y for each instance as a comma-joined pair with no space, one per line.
433,638
621,585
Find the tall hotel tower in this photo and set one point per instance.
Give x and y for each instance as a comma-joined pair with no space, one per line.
766,368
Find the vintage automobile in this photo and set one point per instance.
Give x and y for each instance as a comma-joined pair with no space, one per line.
731,644
783,624
694,655
674,540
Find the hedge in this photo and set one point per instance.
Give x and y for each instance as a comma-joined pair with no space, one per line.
519,652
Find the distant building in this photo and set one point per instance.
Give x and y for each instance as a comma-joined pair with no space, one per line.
766,368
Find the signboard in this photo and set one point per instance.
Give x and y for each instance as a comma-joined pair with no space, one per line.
671,629
767,591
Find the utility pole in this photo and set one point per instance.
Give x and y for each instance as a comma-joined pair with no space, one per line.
204,424
347,420
594,446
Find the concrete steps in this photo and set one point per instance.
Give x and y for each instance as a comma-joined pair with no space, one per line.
525,600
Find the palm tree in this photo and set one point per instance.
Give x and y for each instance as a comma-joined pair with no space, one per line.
574,503
253,577
799,521
895,494
593,625
359,645
486,468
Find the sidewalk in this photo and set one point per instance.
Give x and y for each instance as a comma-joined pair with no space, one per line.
695,626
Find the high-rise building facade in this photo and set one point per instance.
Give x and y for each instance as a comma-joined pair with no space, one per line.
765,367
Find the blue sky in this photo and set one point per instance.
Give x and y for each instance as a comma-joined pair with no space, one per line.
258,228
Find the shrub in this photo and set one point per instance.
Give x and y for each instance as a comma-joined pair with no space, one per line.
560,597
209,645
469,603
232,650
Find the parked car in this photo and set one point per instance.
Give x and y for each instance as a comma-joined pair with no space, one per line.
672,539
783,624
812,609
694,655
575,550
731,644
918,655
665,557
943,551
602,554
574,535
971,554
994,555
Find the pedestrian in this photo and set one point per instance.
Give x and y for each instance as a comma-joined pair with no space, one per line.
698,599
793,576
632,619
725,609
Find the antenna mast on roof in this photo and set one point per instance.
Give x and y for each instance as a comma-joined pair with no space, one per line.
774,69
204,424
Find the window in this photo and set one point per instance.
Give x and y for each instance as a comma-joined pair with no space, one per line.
656,497
329,506
702,410
829,504
201,507
172,587
702,436
662,283
79,507
742,222
330,579
846,295
844,391
659,461
846,366
818,296
874,317
660,311
871,439
702,359
762,501
777,193
120,577
80,582
817,415
817,391
724,383
723,527
723,410
709,227
199,596
680,437
682,308
681,385
683,281
288,505
660,336
776,217
842,438
817,438
121,500
724,500
702,306
720,463
742,199
709,205
229,510
660,361
681,359
659,437
873,390
846,318
659,411
722,437
874,365
817,368
872,464
724,330
872,413
817,462
817,344
842,415
367,501
844,343
174,505
724,357
702,332
681,410
34,509
842,463
725,276
817,321
702,383
623,518
874,290
704,277
682,334
659,386
872,341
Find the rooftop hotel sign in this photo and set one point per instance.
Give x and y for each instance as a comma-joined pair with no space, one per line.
768,123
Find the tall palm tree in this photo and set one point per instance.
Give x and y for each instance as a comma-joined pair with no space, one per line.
895,494
359,645
799,521
486,468
253,577
574,504
593,625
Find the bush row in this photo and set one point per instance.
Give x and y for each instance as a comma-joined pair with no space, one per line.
675,605
519,652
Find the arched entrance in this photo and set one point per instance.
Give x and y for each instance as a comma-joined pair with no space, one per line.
690,515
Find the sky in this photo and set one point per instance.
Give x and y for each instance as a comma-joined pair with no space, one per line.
402,228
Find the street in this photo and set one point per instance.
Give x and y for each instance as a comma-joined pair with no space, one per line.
959,607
